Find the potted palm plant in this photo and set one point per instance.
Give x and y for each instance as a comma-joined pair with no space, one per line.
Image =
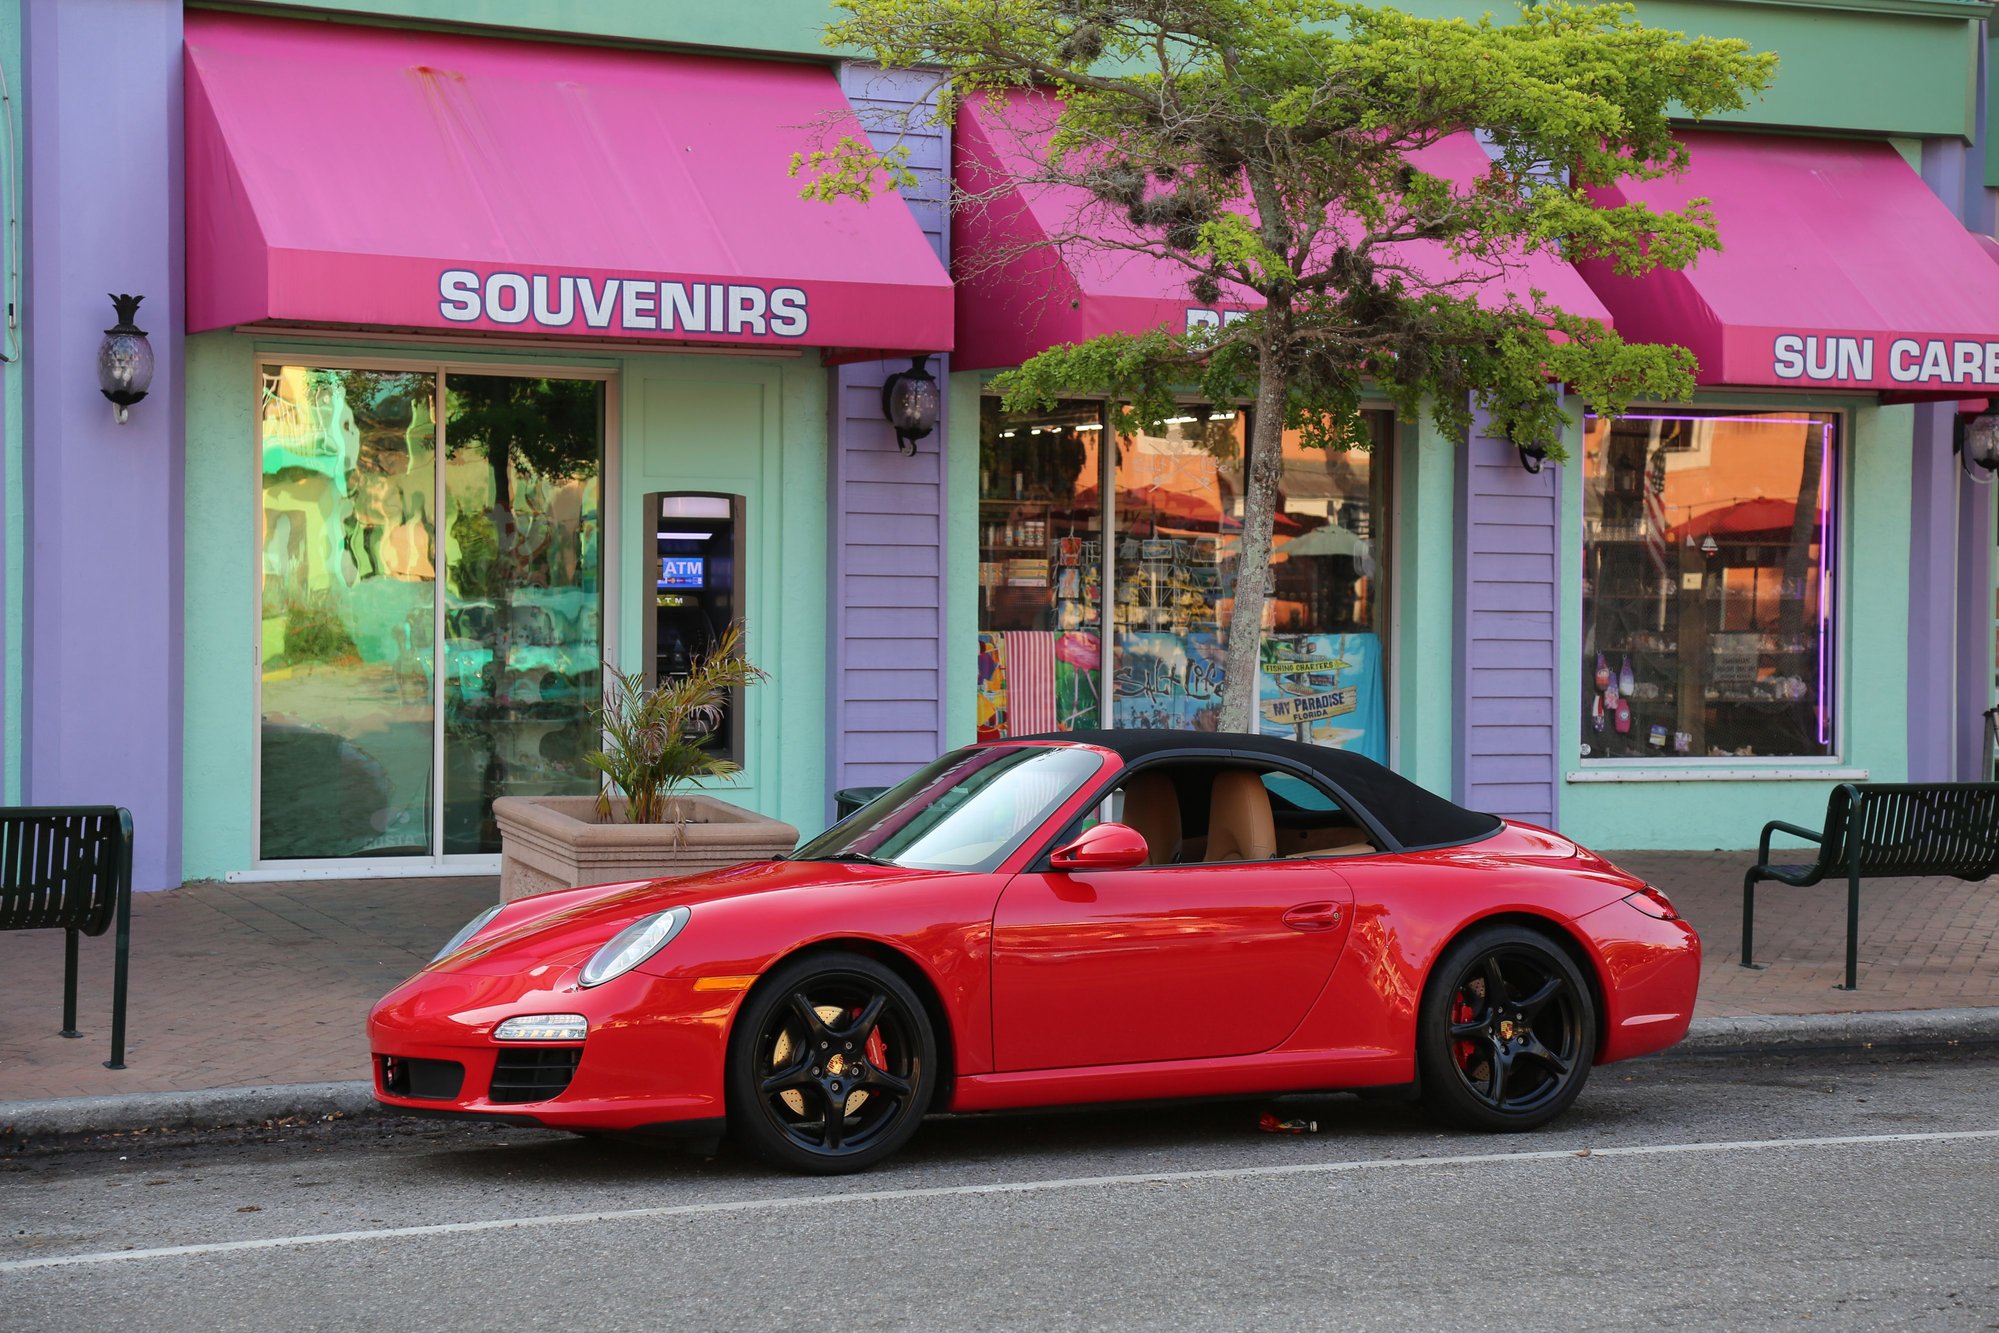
643,823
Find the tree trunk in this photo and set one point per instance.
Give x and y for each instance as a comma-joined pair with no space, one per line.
1262,468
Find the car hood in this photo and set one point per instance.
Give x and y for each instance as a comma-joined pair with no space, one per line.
530,935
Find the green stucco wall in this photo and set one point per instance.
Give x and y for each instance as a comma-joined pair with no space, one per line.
961,596
1872,629
1878,67
749,426
1423,701
790,27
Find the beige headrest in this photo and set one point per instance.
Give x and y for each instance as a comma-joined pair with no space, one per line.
1240,826
1152,806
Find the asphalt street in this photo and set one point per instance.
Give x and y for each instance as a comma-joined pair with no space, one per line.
1829,1192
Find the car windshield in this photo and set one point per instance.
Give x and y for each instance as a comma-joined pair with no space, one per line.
967,811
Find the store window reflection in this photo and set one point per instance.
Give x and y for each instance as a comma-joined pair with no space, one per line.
1708,574
356,706
349,579
1172,505
1040,570
1178,533
522,644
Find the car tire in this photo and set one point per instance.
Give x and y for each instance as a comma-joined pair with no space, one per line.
822,1033
1506,1031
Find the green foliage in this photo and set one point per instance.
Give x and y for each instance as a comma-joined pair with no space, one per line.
853,169
314,632
550,426
1273,146
656,738
1267,145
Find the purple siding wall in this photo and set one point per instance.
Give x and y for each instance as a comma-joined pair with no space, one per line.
887,531
1950,556
102,644
1509,629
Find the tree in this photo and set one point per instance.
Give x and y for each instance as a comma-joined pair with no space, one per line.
1265,146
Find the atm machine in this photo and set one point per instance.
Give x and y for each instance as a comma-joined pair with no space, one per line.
696,560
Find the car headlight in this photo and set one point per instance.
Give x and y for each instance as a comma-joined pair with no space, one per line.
633,945
472,927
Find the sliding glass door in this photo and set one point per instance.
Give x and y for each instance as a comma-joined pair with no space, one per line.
431,591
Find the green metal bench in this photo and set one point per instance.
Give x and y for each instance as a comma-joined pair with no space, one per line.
69,868
1880,830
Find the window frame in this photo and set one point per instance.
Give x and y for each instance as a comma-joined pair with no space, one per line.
1038,861
1669,767
1389,608
277,352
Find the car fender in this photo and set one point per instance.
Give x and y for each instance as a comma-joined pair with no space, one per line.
940,923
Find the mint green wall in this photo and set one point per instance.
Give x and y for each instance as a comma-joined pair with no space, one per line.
749,426
12,481
1873,683
1882,66
961,473
783,26
755,428
1423,701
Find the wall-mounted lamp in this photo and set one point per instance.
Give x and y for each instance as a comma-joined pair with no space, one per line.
1978,446
910,402
125,358
1533,456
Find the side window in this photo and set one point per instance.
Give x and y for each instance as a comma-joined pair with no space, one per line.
1201,813
1309,822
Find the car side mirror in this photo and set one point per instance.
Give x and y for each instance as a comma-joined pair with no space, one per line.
1104,847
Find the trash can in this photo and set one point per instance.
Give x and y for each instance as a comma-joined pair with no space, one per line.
849,799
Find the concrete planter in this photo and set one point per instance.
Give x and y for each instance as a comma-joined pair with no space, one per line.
555,842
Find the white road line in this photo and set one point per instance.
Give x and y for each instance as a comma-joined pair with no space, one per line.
1018,1187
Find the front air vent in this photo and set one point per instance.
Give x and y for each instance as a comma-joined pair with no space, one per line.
534,1073
431,1080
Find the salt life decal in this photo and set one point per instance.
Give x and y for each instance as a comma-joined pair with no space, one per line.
1842,359
567,302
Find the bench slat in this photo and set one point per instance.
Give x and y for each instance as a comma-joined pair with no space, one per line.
59,868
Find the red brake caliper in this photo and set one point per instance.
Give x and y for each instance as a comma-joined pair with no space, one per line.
1461,1012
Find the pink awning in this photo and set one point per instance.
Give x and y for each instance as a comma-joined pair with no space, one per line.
1839,269
342,175
1018,294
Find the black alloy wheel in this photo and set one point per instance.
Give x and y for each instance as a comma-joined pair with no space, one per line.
831,1065
1506,1032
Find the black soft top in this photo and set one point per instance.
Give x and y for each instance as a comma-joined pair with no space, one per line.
1414,816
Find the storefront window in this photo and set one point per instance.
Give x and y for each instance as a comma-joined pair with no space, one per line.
349,556
523,638
361,713
1174,509
1708,573
1040,570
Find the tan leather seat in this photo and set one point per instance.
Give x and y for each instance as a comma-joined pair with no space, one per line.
1240,826
1152,806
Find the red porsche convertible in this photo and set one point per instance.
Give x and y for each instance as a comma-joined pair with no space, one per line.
1088,917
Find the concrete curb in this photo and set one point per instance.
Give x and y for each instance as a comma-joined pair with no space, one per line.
206,1108
1897,1029
221,1108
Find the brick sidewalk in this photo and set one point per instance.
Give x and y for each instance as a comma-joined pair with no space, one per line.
237,985
232,985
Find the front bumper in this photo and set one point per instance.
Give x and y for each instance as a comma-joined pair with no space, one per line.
1651,974
652,1060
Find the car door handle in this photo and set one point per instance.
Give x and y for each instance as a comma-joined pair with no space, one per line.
1313,916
